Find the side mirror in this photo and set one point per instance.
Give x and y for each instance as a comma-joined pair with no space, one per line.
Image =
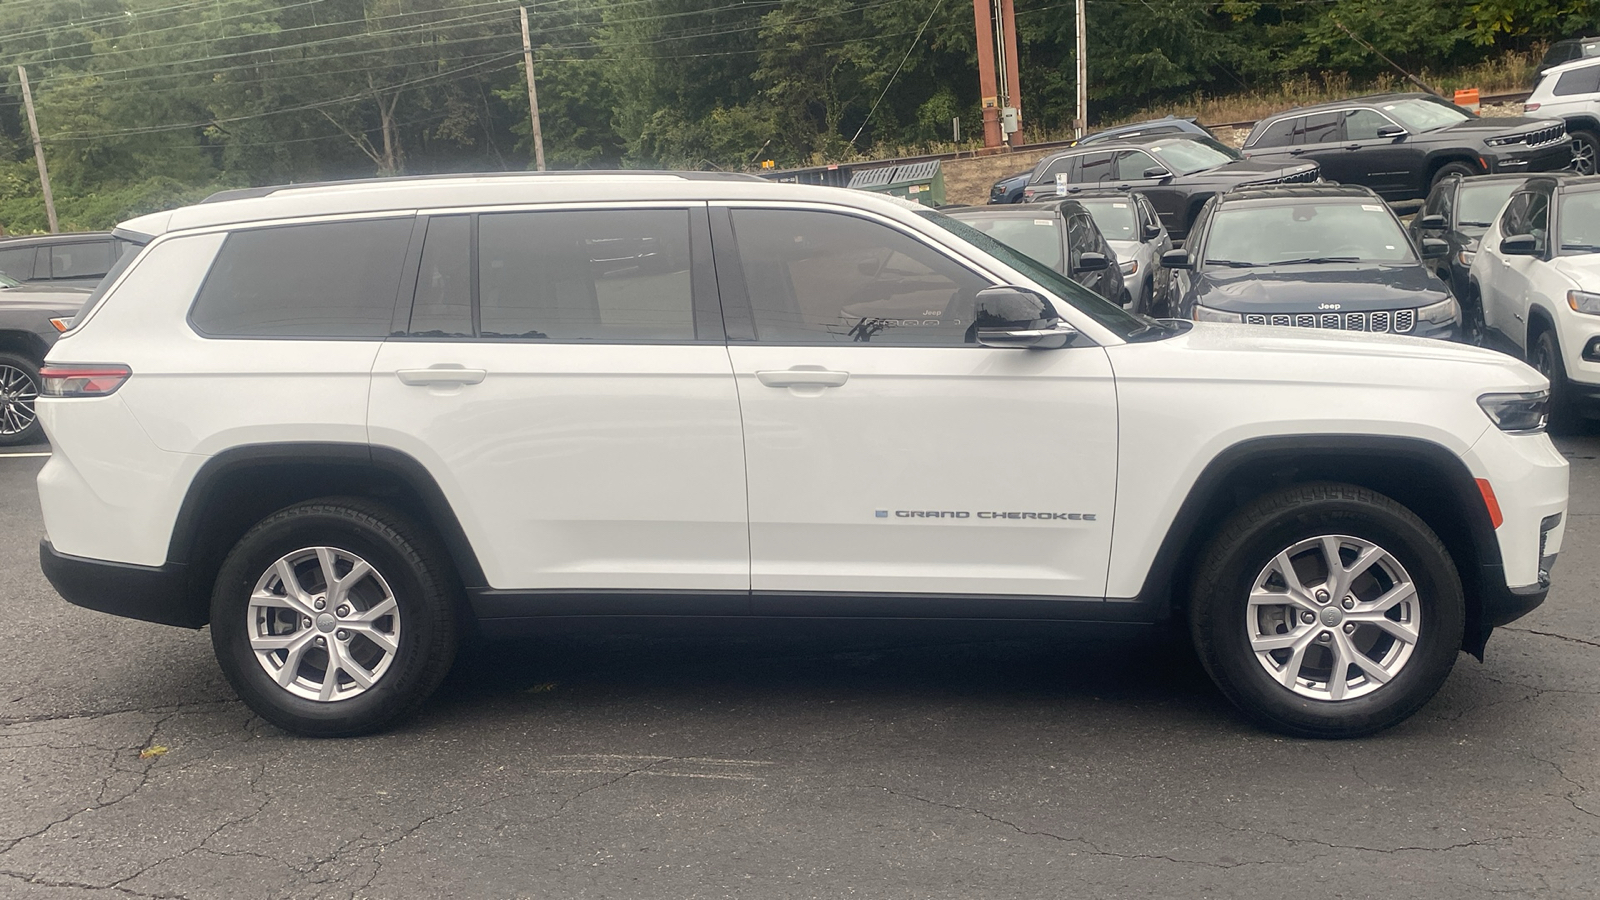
1151,232
1157,172
1432,222
1090,261
1389,131
1520,245
1014,317
1434,248
1177,259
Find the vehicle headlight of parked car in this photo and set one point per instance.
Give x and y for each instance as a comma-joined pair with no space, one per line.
1207,314
1445,310
1584,302
1129,266
1521,413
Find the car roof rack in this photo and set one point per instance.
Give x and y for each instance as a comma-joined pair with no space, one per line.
268,190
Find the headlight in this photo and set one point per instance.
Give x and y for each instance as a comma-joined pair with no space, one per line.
1129,266
1440,313
1207,314
1522,413
1584,302
1508,139
1464,256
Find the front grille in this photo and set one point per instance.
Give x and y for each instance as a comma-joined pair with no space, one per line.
1395,321
1307,177
1544,136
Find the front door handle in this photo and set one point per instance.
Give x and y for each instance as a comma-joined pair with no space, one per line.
1352,147
1296,152
802,377
440,374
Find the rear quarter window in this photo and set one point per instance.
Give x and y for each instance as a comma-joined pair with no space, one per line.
318,280
1579,81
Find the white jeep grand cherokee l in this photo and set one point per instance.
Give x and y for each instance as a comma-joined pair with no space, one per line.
344,423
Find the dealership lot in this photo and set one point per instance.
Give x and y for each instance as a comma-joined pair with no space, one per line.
828,764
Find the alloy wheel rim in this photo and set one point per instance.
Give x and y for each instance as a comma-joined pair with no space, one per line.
323,624
1333,617
18,393
1583,161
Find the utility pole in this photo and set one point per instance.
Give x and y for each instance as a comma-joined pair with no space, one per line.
1082,124
988,91
533,95
38,151
1008,53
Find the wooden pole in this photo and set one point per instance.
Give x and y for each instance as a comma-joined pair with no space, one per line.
988,89
533,95
1083,75
38,151
1008,52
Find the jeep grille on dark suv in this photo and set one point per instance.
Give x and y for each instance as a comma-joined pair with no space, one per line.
1399,321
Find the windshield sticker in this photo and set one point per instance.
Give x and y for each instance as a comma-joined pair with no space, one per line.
1044,221
1119,206
1371,208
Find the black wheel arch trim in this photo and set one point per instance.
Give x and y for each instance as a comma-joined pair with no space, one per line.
1488,598
387,460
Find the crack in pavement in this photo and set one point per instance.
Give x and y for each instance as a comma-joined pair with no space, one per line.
1581,787
1094,849
1562,637
89,717
79,885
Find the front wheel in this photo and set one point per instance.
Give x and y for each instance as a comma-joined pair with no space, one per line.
1585,152
1544,354
1445,171
19,391
1327,610
335,617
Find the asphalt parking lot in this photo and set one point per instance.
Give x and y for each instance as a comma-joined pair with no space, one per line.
825,765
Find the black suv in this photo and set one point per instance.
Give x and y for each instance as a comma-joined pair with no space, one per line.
1311,256
1177,174
68,260
1400,145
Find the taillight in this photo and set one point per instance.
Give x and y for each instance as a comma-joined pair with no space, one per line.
1529,107
82,381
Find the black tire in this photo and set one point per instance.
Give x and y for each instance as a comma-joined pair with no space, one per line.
19,388
1585,152
1466,170
1473,330
1249,542
1544,354
412,566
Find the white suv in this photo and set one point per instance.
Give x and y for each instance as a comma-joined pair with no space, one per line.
1537,277
345,423
1571,92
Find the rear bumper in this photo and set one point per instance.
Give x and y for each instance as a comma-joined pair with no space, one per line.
153,594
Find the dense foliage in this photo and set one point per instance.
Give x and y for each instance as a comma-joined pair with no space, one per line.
144,104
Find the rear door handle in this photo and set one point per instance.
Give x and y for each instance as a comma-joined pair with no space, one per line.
1352,146
1296,152
802,377
440,374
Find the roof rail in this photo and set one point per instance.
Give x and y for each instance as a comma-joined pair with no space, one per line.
267,190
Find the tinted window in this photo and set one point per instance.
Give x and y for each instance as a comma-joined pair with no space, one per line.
1440,200
81,260
334,279
1319,129
1039,238
1363,125
1512,220
1059,167
1095,167
1579,81
442,305
1132,164
587,275
1480,201
1080,239
1278,134
18,262
819,277
1537,220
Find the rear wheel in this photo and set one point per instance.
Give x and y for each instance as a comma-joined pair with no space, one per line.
1585,152
1327,610
19,391
1472,325
334,617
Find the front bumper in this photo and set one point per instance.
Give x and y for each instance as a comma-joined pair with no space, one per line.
1548,158
153,594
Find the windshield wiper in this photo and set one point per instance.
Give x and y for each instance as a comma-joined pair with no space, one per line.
1582,248
1233,263
1474,224
1317,260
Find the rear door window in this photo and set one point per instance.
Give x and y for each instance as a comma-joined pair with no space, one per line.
1323,128
86,260
1094,168
1278,134
320,280
17,262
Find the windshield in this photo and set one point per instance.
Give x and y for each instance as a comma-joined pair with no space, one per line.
1245,236
1124,324
1480,203
1039,238
1424,115
6,281
1580,223
1187,156
1114,218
